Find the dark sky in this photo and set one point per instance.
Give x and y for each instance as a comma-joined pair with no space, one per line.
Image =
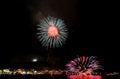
92,29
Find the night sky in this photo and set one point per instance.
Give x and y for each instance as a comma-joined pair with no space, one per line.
91,26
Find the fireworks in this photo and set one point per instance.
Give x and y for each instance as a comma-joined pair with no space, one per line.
52,32
84,64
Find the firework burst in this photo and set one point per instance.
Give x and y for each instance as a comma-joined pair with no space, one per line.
52,32
84,64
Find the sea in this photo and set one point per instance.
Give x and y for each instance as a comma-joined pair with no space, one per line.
51,77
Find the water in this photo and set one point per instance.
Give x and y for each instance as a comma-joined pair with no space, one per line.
34,77
50,77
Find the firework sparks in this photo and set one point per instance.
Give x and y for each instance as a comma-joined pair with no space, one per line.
83,64
52,32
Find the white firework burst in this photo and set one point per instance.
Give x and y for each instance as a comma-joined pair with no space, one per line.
52,32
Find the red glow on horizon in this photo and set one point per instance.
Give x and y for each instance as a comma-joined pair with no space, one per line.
52,30
84,77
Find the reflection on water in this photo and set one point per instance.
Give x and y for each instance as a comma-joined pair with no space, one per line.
84,77
57,77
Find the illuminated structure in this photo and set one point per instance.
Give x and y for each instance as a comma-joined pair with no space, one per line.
52,32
